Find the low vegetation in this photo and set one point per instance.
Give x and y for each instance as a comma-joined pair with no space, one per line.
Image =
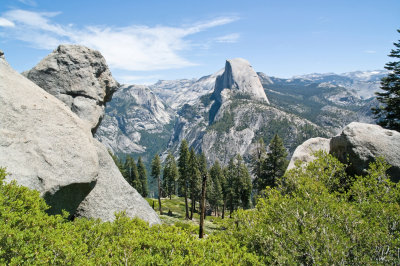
316,214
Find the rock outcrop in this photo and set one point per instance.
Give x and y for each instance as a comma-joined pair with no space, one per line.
362,143
79,77
240,78
47,147
305,151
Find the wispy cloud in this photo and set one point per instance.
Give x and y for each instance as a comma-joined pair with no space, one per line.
133,47
6,23
230,38
370,52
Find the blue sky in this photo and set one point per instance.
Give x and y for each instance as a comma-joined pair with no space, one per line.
144,41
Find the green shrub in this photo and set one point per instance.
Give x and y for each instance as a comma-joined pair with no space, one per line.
316,216
30,236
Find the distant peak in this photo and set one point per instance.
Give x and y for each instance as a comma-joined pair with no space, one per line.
240,77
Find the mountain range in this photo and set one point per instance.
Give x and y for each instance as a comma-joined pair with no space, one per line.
225,113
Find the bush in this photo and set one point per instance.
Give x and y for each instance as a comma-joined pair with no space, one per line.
30,236
319,215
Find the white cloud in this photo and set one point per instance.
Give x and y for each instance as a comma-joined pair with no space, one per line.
230,38
133,48
6,23
370,52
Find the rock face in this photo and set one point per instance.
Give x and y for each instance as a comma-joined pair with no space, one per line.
79,77
304,152
47,147
134,115
239,77
362,143
113,194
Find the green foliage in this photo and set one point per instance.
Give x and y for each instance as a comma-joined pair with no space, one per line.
389,113
238,184
269,167
170,175
183,164
318,215
214,194
142,177
29,236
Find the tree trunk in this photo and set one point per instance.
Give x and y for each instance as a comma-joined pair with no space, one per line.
223,210
159,196
192,208
202,206
186,205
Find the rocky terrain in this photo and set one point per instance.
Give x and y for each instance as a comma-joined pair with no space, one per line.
47,147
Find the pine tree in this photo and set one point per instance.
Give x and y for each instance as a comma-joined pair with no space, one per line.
259,156
170,175
202,162
155,173
388,114
142,177
238,184
183,164
194,181
274,165
131,173
215,196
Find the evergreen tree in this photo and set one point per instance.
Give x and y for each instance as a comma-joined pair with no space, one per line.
274,165
214,195
259,156
183,164
131,174
194,181
142,177
170,175
388,114
238,184
202,162
155,173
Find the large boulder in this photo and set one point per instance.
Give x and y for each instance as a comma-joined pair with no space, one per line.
113,194
305,151
47,147
79,77
363,143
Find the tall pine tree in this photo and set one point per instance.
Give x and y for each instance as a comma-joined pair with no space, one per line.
183,164
274,165
142,177
155,173
215,196
131,173
388,114
194,181
259,156
170,175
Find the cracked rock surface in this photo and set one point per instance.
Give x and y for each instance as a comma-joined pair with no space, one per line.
79,77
